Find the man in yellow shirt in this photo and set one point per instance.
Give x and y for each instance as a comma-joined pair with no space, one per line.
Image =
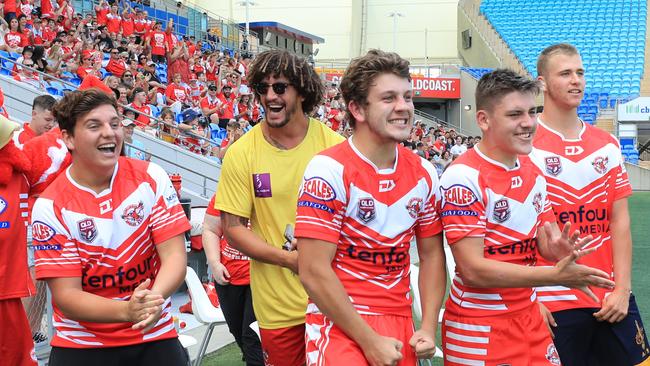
260,180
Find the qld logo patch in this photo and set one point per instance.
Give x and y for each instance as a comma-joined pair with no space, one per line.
366,209
552,356
458,195
87,230
600,164
134,214
42,231
553,165
501,210
3,205
414,206
537,202
319,189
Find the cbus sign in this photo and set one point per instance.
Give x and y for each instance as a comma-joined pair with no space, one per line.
440,88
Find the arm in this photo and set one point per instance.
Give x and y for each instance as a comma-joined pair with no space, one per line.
77,304
247,242
615,306
478,271
432,283
173,263
211,236
325,289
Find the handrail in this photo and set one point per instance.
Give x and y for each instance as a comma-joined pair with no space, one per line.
446,124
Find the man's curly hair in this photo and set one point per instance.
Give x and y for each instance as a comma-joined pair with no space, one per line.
300,73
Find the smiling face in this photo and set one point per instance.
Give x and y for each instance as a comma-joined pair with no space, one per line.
96,141
509,126
564,80
388,113
280,108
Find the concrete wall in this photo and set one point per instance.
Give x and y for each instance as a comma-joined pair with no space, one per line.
18,98
479,54
468,117
340,23
639,177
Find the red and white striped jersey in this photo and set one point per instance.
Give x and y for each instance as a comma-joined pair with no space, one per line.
482,198
109,241
585,176
371,216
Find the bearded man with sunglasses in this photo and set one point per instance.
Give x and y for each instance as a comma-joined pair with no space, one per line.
260,179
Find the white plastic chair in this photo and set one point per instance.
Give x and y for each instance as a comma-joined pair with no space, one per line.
203,310
417,307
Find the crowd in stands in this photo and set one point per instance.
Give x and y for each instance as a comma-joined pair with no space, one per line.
197,92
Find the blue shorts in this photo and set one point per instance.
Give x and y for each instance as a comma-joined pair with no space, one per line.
581,340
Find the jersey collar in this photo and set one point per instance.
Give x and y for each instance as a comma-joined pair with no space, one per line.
582,130
379,171
497,163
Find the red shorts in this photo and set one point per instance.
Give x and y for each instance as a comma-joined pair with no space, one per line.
328,345
518,339
284,346
16,345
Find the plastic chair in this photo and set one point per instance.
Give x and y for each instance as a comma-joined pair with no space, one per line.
203,310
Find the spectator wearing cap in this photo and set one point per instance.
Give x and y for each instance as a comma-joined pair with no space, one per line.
191,133
86,66
116,64
37,32
210,104
133,148
227,106
139,103
244,106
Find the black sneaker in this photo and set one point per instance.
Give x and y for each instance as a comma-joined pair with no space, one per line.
39,337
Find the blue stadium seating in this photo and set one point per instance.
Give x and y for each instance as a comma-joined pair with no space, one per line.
476,73
609,34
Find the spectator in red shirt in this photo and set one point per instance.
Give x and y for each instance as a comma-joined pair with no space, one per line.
140,104
157,40
177,92
116,64
14,37
128,25
210,104
87,66
101,10
227,108
114,22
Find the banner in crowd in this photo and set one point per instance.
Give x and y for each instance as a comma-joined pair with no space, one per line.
423,87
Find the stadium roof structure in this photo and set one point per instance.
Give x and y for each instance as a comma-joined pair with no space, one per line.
286,30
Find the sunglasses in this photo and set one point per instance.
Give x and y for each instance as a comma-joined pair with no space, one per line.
127,76
278,88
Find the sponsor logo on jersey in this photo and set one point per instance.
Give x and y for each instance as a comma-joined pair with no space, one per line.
600,164
87,229
516,182
446,213
319,189
553,165
519,247
134,214
581,215
386,185
172,198
552,356
316,205
48,247
414,206
538,203
262,185
3,205
458,195
394,256
124,278
501,210
366,209
5,224
573,150
42,231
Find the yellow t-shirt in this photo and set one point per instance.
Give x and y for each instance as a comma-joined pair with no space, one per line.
262,182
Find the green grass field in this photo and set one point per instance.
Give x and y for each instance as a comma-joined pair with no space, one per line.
639,211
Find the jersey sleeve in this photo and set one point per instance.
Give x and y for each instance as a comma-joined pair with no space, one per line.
234,193
211,210
428,220
322,200
622,186
462,206
167,216
56,254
